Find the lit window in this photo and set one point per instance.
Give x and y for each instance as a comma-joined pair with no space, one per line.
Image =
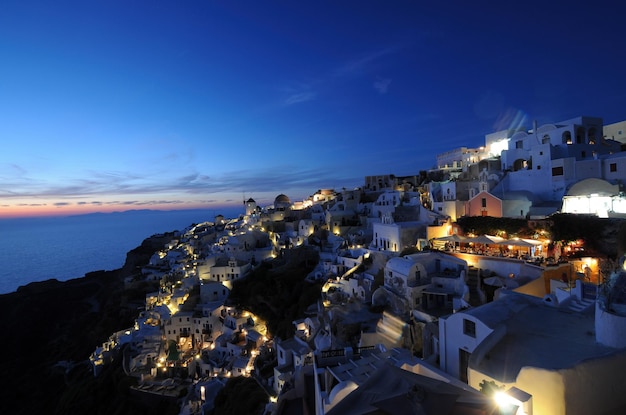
613,167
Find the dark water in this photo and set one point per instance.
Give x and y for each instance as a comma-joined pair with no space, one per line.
38,249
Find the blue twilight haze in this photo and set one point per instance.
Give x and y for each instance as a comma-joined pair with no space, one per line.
177,105
62,248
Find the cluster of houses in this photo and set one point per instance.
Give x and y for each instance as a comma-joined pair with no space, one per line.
400,326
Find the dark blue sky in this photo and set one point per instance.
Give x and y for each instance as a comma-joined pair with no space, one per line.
162,104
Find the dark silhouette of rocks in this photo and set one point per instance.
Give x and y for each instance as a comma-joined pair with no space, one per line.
49,330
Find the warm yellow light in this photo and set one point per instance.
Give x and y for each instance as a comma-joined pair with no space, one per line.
501,398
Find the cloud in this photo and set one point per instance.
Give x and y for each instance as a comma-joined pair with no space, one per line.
298,92
309,90
300,97
382,85
360,63
114,188
19,169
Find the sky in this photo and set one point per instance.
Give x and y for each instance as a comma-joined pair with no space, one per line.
118,105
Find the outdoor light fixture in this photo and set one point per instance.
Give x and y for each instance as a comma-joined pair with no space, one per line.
513,402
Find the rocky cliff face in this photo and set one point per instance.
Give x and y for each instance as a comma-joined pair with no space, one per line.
50,328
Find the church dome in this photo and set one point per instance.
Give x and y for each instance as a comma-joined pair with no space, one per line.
592,185
282,201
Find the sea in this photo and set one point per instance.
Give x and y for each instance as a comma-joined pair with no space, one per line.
63,248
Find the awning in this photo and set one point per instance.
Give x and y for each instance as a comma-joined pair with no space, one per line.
484,240
452,238
528,243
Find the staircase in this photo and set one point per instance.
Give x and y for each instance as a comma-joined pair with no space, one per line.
579,305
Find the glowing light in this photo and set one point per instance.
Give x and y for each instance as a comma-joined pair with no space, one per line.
501,398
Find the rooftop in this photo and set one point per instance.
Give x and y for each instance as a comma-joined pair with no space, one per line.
390,389
537,335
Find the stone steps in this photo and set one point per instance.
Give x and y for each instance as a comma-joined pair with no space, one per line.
579,305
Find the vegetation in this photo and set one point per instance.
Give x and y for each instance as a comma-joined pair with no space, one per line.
241,395
278,292
408,251
489,387
600,235
488,225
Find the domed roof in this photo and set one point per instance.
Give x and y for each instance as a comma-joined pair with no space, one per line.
588,186
282,199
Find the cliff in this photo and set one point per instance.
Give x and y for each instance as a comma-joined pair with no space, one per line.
49,330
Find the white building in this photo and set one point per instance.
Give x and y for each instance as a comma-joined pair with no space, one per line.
226,271
211,291
394,237
424,281
179,326
386,203
615,131
595,197
521,343
553,157
306,227
291,354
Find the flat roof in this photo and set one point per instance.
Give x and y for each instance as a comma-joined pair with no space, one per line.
538,335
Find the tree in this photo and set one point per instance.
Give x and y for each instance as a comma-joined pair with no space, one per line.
489,387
